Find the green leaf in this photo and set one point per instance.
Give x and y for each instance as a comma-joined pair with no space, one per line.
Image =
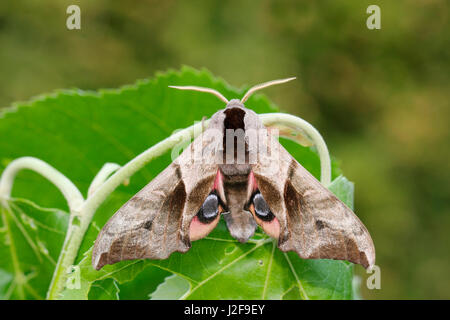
173,287
77,132
30,241
88,278
104,290
343,189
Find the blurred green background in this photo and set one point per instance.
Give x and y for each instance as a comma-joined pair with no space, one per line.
379,97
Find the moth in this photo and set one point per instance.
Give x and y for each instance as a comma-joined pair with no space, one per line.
235,177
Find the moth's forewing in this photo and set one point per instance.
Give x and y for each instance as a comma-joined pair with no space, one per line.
313,221
156,221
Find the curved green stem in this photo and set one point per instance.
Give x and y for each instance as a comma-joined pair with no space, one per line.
73,196
102,176
67,188
303,126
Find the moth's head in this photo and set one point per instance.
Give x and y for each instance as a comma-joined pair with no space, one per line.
234,102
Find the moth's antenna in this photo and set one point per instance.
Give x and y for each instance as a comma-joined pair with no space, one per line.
201,89
264,85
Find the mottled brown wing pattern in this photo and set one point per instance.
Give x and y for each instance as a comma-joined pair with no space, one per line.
313,221
155,222
138,229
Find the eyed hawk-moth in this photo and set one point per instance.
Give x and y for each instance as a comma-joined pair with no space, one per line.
229,170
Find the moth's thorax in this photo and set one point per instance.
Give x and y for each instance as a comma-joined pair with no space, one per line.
239,126
235,169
